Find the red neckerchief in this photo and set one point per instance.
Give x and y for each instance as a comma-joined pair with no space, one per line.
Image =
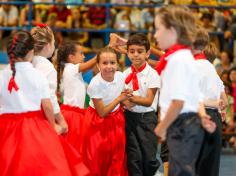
12,84
162,63
133,76
200,56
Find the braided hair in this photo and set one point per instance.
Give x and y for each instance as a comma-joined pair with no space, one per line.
18,47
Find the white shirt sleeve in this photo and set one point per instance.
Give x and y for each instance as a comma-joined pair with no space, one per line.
45,91
155,80
94,90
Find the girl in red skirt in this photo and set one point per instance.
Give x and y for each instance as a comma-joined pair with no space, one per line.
103,131
29,144
71,65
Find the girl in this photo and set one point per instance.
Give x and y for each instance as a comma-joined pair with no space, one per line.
103,131
71,63
43,49
29,144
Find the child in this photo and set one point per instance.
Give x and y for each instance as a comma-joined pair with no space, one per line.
140,113
43,49
71,63
179,94
29,144
103,131
212,89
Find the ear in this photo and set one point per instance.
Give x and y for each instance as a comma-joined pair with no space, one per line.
70,58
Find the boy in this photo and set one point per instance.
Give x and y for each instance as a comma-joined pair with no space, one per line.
140,113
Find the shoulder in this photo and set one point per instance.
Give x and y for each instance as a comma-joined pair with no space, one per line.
127,71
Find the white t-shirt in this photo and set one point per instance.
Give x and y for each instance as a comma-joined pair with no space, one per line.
210,83
46,67
107,91
180,81
33,87
147,79
74,89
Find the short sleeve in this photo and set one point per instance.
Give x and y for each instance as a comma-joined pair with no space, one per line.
45,91
155,80
95,89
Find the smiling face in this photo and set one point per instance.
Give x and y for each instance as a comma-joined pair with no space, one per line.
108,65
137,55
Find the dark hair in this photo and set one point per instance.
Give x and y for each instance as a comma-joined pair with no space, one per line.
138,39
18,46
182,20
63,53
106,50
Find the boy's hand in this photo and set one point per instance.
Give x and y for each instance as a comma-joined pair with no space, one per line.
160,132
128,104
208,124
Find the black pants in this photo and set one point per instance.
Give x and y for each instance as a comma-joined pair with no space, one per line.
141,143
184,140
209,159
164,152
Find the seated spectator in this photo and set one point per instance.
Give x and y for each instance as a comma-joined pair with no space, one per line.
81,37
63,14
24,16
207,22
225,64
8,18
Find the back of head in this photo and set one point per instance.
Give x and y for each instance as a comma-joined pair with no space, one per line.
211,52
19,44
138,39
182,20
65,50
201,39
42,35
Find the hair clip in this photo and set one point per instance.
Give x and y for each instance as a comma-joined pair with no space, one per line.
41,25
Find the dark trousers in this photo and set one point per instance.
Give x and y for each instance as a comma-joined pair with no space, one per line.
164,152
141,143
184,140
209,159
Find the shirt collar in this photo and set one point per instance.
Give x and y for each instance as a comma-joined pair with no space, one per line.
106,82
23,65
145,70
41,59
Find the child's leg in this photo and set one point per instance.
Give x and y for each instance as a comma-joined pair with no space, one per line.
164,157
210,152
148,142
184,139
134,155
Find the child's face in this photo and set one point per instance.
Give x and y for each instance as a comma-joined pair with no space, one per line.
165,37
232,76
79,55
137,55
108,65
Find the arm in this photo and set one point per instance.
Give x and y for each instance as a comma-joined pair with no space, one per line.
102,109
171,115
144,101
156,52
83,67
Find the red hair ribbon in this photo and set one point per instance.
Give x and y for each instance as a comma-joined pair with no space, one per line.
41,25
12,84
13,42
199,56
133,76
162,63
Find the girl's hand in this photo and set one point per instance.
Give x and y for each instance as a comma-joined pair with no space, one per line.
58,129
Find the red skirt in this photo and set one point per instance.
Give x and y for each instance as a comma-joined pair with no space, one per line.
103,147
73,116
30,146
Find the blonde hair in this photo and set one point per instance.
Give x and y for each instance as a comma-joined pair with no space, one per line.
42,36
201,39
211,52
181,19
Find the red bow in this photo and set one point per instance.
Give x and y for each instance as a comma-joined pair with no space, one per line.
133,76
162,63
199,56
41,25
12,84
